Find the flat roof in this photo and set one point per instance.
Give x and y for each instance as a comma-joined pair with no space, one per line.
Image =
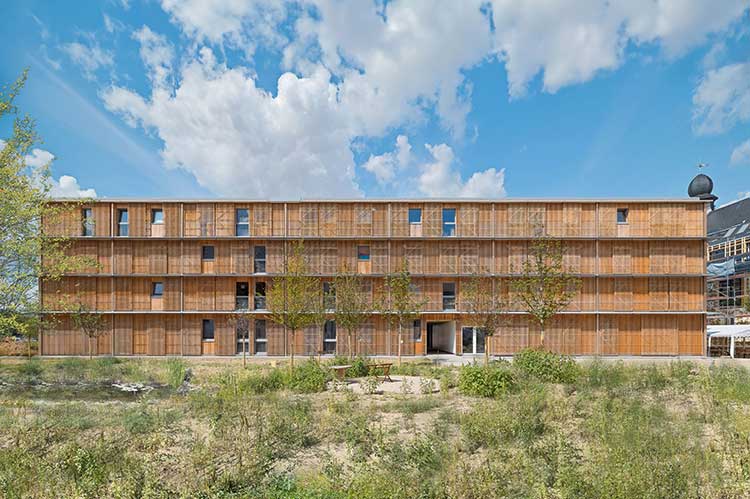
390,200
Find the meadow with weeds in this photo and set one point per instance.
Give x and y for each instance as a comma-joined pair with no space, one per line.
542,426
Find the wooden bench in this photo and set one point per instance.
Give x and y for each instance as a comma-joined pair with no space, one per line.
385,367
340,371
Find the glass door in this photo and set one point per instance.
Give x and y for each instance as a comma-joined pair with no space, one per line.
478,340
472,340
467,339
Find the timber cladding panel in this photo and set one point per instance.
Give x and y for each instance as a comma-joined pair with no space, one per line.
641,264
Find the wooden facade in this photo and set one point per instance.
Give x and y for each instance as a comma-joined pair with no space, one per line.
642,293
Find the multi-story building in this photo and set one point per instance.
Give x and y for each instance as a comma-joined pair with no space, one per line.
729,260
171,273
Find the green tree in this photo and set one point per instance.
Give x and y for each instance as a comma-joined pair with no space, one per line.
28,253
400,305
92,323
482,299
544,289
353,307
295,299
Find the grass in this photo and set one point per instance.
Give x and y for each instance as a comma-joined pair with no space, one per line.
544,429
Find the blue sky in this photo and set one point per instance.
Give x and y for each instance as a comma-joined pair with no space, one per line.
326,98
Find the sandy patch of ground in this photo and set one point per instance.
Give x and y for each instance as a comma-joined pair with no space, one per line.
414,385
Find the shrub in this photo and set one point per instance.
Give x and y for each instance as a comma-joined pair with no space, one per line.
308,377
490,381
358,369
426,386
370,384
139,421
546,366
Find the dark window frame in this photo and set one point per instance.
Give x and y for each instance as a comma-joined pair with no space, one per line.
87,215
208,330
241,301
259,295
157,289
260,326
244,225
415,210
123,225
329,344
448,224
259,264
417,330
154,211
363,256
622,216
204,253
449,299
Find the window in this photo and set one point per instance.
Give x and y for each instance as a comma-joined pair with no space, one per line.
449,296
260,296
87,214
157,290
449,222
363,253
415,215
329,296
242,222
259,259
417,327
242,296
122,222
207,253
157,216
207,331
261,342
329,337
622,215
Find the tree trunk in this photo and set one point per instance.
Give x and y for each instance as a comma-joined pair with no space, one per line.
399,344
487,350
245,346
349,344
541,335
91,354
291,350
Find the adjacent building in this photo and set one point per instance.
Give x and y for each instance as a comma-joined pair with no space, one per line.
729,262
172,273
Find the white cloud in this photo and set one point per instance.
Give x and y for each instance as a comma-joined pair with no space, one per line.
384,166
571,44
722,99
156,53
90,57
67,187
360,68
741,154
439,179
239,140
39,158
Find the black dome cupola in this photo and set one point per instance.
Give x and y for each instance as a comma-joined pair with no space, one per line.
701,186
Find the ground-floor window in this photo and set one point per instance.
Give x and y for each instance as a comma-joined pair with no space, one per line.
329,337
261,342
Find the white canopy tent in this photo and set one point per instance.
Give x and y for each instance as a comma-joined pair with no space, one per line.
734,333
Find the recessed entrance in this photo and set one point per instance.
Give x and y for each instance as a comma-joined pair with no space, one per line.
441,337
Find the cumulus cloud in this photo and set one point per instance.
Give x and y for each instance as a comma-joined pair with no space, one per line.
67,187
722,99
570,45
439,179
156,53
39,158
384,166
239,140
89,56
741,154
